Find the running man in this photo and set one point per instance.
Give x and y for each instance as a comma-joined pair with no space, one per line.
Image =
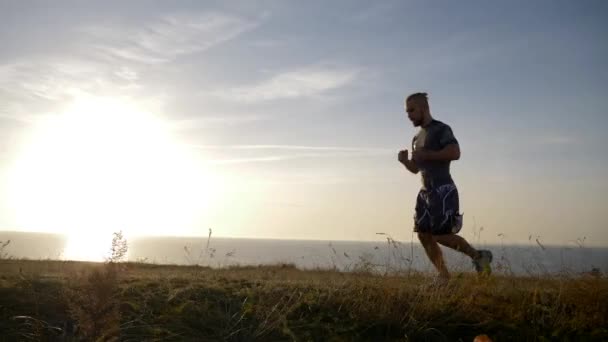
437,218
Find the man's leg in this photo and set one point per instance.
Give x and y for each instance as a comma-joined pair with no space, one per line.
433,251
443,202
458,243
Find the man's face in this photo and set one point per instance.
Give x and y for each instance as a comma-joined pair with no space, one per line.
414,112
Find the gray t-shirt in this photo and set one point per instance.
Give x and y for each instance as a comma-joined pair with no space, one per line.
434,137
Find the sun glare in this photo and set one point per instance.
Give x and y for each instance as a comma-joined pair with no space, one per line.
104,165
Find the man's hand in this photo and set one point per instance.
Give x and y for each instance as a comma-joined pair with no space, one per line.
403,157
409,164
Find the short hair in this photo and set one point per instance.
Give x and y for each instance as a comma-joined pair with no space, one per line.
420,98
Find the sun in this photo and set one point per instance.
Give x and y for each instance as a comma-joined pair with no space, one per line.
105,165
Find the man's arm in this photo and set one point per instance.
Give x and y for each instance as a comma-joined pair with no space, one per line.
409,164
448,153
449,147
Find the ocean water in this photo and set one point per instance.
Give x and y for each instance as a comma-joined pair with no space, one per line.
380,256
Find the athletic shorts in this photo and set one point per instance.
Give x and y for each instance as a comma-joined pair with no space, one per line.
437,211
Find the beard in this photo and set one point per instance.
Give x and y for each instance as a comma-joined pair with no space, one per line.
416,123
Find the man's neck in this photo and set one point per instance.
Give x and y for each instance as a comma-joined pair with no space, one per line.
427,121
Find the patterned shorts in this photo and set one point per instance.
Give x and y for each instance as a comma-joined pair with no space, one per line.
437,211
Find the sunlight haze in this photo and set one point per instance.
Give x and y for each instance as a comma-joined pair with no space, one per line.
283,119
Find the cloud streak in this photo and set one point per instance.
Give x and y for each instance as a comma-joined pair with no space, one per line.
295,147
261,159
171,36
290,85
300,152
226,120
35,85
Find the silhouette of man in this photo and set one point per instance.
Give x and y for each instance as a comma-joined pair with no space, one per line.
437,218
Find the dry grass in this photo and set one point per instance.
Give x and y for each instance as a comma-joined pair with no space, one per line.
58,300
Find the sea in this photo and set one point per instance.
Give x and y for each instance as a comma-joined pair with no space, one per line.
387,256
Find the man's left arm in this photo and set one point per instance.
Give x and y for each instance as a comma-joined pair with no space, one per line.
450,150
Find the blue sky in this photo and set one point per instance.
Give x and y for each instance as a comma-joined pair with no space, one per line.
298,106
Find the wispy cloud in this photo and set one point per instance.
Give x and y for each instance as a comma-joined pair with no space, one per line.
299,152
53,78
108,60
296,147
38,86
291,84
260,159
169,37
224,120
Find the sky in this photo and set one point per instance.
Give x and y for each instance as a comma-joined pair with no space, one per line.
283,119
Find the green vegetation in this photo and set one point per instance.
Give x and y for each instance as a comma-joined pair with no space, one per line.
69,301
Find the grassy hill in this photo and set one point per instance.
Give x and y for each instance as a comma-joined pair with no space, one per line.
69,301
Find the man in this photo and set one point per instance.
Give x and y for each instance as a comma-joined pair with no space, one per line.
437,218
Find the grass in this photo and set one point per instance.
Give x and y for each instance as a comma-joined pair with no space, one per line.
70,301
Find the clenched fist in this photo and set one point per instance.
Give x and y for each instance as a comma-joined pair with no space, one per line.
403,156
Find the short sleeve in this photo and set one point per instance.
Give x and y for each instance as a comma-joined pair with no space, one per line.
446,137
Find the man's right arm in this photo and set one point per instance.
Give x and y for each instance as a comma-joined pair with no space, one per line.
409,164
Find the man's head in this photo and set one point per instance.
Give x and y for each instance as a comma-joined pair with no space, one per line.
417,108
